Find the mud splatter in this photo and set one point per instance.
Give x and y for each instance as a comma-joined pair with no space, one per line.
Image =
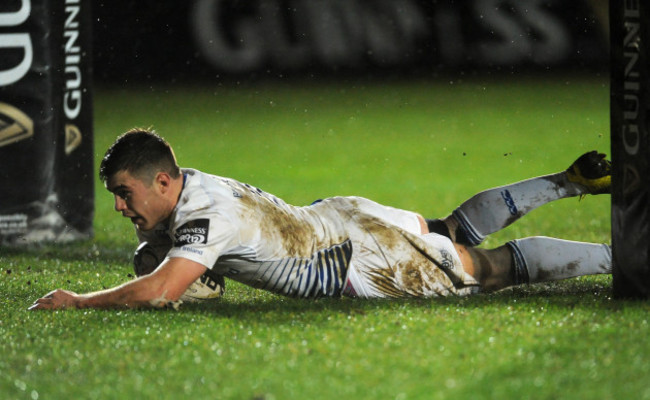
296,236
383,280
565,271
407,270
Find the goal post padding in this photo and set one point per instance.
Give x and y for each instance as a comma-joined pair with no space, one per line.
630,103
46,121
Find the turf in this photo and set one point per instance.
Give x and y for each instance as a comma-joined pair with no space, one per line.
421,145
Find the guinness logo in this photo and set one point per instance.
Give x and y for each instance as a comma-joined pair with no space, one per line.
192,232
15,125
72,138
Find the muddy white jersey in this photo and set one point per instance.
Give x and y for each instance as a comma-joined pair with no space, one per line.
251,236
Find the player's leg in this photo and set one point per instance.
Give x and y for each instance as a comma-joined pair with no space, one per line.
533,260
495,209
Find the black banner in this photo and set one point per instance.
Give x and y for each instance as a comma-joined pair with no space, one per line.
630,106
176,40
46,131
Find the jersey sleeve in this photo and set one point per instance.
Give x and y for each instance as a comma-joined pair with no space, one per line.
202,237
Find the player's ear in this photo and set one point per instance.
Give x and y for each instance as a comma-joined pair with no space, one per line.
163,181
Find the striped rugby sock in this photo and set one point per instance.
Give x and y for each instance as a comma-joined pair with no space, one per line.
542,259
494,209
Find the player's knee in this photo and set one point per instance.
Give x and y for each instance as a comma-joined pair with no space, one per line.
492,268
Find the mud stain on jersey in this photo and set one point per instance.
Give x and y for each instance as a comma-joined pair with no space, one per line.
384,281
411,277
407,270
420,276
296,236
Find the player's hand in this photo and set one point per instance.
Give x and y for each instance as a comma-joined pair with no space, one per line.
57,299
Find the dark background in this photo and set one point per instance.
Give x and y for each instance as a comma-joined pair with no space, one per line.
151,40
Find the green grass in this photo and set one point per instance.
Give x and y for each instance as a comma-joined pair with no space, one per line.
419,145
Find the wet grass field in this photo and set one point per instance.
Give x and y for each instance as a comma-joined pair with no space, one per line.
420,145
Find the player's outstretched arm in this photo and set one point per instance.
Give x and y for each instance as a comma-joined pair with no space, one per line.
158,289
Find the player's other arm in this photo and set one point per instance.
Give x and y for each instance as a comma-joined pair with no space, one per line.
165,285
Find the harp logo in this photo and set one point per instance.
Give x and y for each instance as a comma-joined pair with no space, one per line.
15,125
72,138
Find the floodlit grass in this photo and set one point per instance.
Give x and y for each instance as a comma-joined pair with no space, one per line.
421,145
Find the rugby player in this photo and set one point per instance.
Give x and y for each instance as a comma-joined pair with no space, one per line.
340,246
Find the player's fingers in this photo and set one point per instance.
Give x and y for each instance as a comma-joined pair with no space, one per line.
44,303
56,299
41,304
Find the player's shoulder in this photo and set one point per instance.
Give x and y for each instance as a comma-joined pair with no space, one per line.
204,196
214,193
204,200
202,190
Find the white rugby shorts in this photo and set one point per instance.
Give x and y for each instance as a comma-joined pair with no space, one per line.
392,258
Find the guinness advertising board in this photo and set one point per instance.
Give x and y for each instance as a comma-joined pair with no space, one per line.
46,130
630,106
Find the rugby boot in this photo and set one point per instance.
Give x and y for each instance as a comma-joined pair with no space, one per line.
593,171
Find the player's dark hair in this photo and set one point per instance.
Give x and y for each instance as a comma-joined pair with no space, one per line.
140,152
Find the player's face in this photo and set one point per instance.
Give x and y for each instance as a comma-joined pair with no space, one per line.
141,202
